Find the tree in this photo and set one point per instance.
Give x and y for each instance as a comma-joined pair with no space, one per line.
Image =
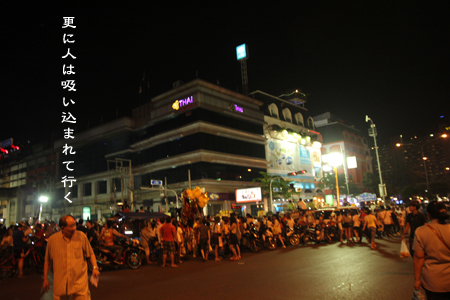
279,184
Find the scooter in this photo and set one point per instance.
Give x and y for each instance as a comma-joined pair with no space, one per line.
292,236
250,239
330,229
267,240
130,255
316,234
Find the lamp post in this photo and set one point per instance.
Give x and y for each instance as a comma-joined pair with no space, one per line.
373,133
424,158
335,160
42,199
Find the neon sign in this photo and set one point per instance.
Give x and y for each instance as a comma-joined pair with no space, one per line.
238,108
183,102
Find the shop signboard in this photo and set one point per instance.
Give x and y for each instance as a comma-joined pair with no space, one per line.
248,195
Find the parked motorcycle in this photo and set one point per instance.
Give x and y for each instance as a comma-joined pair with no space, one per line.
316,234
292,236
131,255
267,240
250,239
330,229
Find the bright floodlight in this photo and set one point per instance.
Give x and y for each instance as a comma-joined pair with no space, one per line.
43,199
335,159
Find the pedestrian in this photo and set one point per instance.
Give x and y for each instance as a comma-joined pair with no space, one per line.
339,225
204,238
153,235
91,234
371,222
145,236
277,230
216,235
179,239
395,225
168,233
347,225
226,236
387,221
39,239
81,227
356,226
233,241
66,256
19,240
432,253
197,224
7,240
414,220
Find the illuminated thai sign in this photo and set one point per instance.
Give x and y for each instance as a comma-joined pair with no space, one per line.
238,108
182,102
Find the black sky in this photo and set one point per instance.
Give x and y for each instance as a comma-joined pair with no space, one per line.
387,60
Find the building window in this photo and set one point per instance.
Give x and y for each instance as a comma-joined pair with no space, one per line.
87,189
117,185
74,191
273,110
299,119
364,141
311,123
101,186
287,115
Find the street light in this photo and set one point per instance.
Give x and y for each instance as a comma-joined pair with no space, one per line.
335,160
373,132
424,158
42,199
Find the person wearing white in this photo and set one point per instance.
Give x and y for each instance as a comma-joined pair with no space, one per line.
432,253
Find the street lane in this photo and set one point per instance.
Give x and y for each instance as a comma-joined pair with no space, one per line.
335,271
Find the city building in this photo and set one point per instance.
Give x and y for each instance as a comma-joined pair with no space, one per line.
292,144
350,142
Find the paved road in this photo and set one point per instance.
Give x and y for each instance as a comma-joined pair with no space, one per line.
335,271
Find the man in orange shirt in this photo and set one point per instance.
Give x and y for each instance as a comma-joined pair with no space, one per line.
168,232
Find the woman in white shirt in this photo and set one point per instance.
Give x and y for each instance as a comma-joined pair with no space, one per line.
277,230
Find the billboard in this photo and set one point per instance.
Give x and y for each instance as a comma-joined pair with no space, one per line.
248,195
285,157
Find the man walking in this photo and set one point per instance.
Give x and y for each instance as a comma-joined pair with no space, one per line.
413,220
67,254
168,232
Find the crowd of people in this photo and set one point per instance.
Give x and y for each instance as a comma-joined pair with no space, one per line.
222,236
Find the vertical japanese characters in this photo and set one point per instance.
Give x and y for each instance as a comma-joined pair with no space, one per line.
68,86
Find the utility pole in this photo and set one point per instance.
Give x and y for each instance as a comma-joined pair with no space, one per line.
373,133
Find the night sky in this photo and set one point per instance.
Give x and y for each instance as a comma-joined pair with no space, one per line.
387,60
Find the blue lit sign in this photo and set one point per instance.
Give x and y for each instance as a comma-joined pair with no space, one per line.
241,52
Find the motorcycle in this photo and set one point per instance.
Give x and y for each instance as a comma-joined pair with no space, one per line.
131,255
250,239
316,234
267,240
330,229
292,236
